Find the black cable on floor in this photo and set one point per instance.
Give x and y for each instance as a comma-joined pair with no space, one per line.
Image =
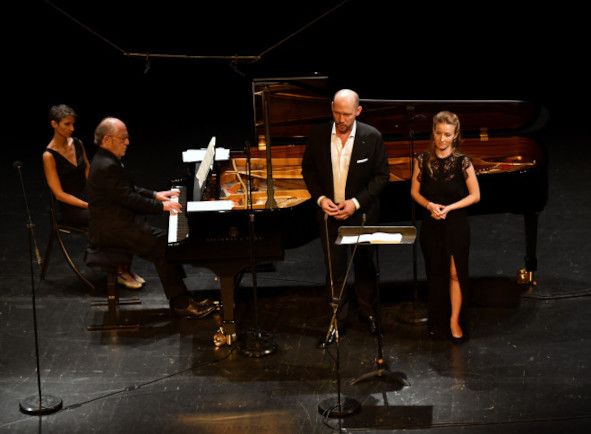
536,296
147,383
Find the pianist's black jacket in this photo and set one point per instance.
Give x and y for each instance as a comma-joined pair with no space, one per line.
116,205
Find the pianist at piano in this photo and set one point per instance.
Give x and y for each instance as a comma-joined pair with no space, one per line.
117,215
345,168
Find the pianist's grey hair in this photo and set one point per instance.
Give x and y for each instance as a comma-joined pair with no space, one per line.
104,128
58,112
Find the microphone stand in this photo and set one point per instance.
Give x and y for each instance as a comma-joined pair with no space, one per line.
411,313
255,343
35,404
341,406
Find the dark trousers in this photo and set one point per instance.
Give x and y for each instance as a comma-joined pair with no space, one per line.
365,286
149,243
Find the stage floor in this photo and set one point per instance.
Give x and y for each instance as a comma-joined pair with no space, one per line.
525,368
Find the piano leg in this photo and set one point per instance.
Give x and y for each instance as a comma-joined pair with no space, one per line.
526,275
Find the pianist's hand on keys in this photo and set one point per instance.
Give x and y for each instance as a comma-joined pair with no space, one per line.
178,229
170,200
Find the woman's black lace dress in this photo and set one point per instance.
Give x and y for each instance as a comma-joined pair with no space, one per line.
442,239
73,181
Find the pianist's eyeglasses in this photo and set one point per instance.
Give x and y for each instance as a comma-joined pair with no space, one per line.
122,138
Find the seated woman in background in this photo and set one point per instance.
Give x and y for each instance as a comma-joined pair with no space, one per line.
66,168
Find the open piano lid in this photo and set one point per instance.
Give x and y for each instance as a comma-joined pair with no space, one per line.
297,104
512,167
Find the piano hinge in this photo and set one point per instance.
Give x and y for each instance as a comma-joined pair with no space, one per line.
484,134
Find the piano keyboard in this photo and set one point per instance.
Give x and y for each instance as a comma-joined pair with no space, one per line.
178,226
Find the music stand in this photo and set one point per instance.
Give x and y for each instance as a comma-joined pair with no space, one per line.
376,235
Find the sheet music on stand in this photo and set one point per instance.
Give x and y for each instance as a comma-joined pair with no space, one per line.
197,155
205,159
204,168
376,235
373,238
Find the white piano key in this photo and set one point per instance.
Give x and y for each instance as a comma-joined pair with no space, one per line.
173,224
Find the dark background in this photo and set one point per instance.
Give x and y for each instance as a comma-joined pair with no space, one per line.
72,52
526,350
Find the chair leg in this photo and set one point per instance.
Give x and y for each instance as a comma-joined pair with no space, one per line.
47,254
71,263
114,321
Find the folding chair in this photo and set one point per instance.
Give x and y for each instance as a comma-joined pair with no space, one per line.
59,231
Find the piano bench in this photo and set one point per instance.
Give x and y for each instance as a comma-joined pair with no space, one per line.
108,260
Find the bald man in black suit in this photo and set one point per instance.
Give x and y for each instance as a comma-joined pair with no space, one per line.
345,168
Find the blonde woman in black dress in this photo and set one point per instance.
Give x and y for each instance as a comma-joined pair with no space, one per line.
444,183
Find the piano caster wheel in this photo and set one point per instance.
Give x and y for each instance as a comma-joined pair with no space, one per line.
525,277
220,338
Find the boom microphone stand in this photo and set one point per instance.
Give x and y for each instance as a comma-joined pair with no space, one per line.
341,406
35,404
255,343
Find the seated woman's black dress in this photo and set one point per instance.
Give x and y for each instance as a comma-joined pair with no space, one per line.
442,239
73,181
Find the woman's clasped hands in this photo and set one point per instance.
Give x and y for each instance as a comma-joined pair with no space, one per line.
438,212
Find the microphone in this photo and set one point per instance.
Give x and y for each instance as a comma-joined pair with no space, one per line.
18,166
363,218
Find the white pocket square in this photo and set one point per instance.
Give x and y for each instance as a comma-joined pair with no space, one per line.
362,161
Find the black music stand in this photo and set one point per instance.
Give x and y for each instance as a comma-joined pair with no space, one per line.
378,235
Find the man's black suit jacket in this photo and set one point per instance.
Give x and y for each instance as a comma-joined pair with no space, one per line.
116,205
368,169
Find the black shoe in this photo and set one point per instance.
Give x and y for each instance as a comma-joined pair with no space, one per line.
207,302
195,309
370,322
458,341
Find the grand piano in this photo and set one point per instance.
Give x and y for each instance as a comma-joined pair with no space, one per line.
265,184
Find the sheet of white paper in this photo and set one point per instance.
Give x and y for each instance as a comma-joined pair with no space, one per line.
373,238
195,155
209,205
